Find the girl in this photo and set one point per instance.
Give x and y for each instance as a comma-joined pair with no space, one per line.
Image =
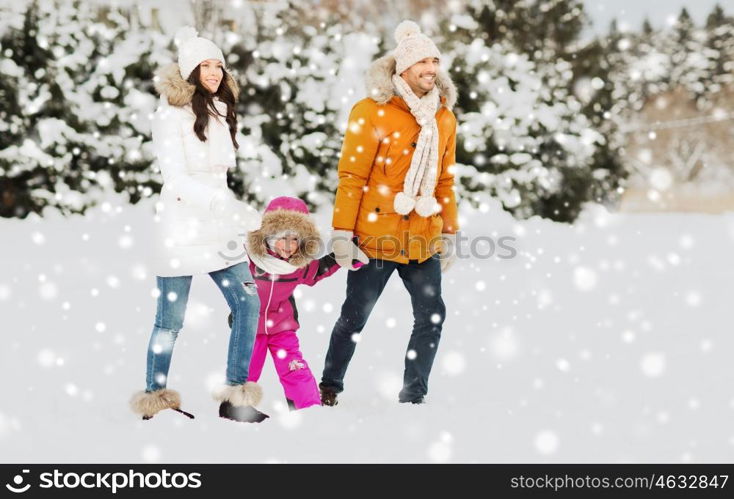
194,142
282,255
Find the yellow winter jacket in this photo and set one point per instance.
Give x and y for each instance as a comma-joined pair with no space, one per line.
375,158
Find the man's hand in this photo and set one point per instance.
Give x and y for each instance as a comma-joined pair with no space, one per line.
345,250
448,251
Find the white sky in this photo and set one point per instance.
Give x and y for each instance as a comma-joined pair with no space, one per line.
627,12
632,12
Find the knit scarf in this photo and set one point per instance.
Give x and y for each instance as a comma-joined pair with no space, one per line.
420,182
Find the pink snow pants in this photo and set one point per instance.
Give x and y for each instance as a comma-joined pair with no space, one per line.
296,377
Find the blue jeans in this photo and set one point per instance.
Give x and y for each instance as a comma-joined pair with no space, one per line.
238,288
364,286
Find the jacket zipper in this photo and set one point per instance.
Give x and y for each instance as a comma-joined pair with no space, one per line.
267,307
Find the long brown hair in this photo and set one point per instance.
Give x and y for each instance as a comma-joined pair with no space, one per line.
202,103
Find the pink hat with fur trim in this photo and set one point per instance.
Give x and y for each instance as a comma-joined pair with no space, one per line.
287,203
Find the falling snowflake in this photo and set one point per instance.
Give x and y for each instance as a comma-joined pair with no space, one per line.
686,241
46,358
628,336
563,365
545,298
389,384
38,238
546,442
453,363
653,364
48,290
439,452
151,454
504,345
289,420
125,241
584,278
660,178
693,298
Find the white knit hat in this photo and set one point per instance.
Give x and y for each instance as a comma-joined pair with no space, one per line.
413,46
193,49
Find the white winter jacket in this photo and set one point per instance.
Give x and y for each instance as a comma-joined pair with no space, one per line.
193,238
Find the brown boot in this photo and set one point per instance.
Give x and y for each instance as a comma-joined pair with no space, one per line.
328,396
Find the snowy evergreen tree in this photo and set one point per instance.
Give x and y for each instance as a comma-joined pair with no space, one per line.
300,73
524,134
683,55
665,78
77,104
45,158
542,114
720,38
540,29
692,61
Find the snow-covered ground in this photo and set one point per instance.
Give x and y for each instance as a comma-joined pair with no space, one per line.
607,341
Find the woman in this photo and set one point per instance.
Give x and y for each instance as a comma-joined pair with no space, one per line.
199,224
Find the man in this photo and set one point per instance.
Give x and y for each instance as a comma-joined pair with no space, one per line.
396,196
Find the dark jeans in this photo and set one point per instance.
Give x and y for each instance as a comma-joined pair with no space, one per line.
364,286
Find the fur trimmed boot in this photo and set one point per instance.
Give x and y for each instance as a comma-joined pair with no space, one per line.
148,404
238,401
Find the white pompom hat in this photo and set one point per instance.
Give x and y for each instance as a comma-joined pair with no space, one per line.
413,46
192,49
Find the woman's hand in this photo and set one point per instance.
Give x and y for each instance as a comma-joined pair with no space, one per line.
242,214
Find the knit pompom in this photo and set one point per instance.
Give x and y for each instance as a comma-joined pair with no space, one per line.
426,206
406,29
183,34
403,203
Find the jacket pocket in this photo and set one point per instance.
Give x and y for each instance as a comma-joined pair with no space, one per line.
196,151
377,223
380,232
398,155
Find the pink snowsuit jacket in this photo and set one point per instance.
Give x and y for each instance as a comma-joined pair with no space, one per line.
278,311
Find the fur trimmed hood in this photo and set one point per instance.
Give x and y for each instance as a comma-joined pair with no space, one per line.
380,86
170,84
279,221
